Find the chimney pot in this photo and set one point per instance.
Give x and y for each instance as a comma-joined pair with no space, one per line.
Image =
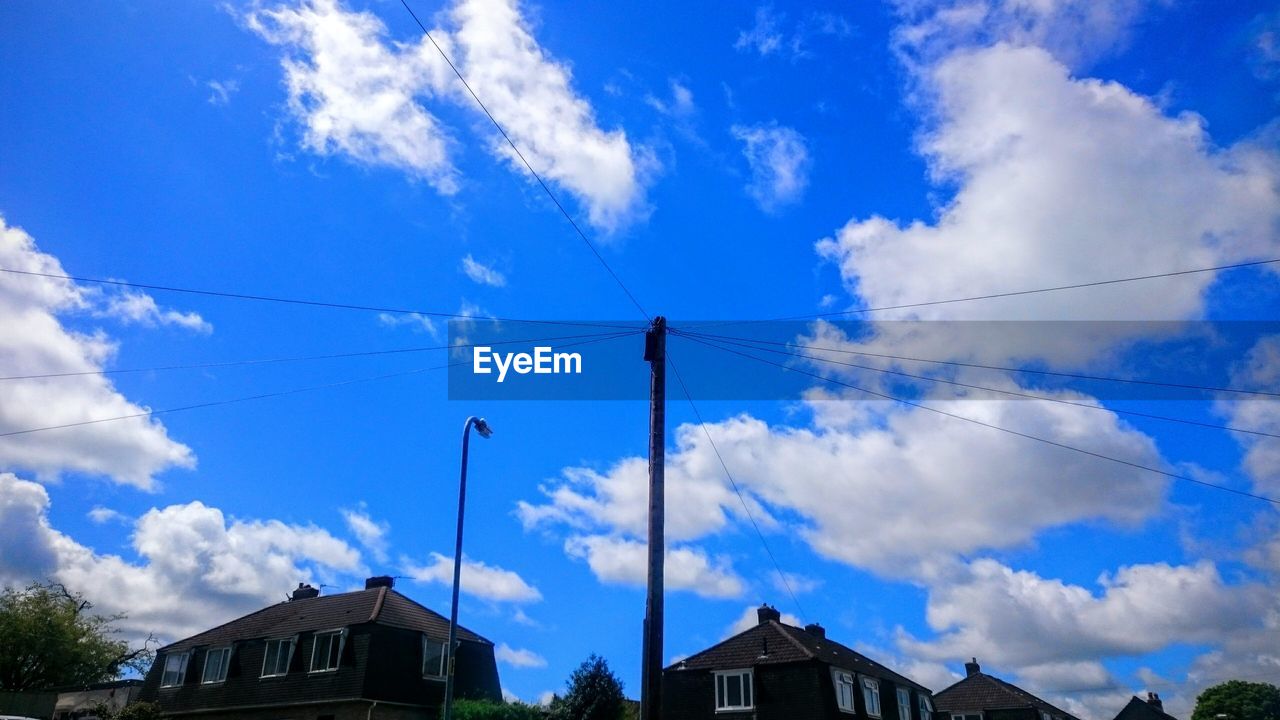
765,613
303,592
815,630
1153,699
379,581
972,668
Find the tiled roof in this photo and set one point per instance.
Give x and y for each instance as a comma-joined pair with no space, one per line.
981,691
325,612
774,642
1138,709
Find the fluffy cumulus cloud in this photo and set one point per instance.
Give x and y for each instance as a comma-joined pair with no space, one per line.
478,579
778,158
356,93
371,534
518,657
1018,618
621,561
142,309
195,568
921,498
37,341
1062,180
1260,368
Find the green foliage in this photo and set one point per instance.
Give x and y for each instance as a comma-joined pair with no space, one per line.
132,711
1239,700
49,638
595,693
488,710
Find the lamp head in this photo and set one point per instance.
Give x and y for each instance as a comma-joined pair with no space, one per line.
483,428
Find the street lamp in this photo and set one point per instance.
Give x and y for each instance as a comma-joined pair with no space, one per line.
485,431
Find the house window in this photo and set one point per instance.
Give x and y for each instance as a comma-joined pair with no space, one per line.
844,691
216,663
871,696
926,707
904,704
432,658
327,651
175,669
733,690
278,656
966,716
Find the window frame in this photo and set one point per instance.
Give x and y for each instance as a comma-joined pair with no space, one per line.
967,715
341,635
746,690
871,690
925,706
904,704
288,662
181,672
845,679
223,667
443,645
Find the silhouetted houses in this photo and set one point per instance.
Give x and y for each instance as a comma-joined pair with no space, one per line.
1150,709
778,671
980,696
372,653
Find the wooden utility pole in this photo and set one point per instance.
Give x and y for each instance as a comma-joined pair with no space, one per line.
655,351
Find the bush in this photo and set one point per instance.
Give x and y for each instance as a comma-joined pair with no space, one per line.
487,710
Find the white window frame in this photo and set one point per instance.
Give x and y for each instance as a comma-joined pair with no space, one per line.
223,655
341,635
926,707
845,685
443,645
904,704
871,696
967,715
292,643
180,671
746,689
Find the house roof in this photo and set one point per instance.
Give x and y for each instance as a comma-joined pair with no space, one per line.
381,605
1139,709
774,642
980,691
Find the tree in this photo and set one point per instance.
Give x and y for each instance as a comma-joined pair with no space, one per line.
1239,700
595,693
49,638
489,710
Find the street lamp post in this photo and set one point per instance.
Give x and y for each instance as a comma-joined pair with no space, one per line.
485,431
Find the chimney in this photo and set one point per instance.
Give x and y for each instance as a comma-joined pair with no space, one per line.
379,581
303,592
972,668
1153,699
816,630
765,613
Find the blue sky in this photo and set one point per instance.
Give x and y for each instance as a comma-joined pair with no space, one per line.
729,161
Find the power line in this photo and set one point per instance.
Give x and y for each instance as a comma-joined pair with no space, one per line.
1074,376
1012,293
992,426
302,358
281,393
734,484
545,188
296,301
1015,393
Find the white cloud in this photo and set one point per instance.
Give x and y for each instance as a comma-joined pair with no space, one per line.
1016,617
518,657
749,619
765,36
222,90
414,321
36,341
484,581
140,308
195,570
355,94
102,515
621,561
772,35
1075,31
1260,368
680,105
372,534
794,583
481,273
1062,180
779,162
